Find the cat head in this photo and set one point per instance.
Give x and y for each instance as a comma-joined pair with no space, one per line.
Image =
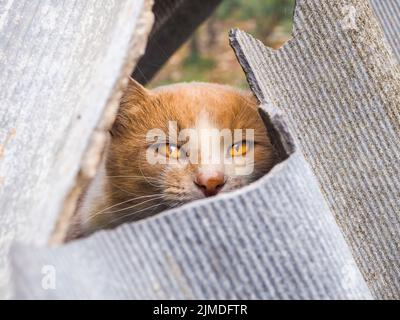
187,141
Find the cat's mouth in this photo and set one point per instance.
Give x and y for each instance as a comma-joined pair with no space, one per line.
202,188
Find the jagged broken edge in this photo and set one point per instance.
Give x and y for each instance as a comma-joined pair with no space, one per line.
96,145
274,118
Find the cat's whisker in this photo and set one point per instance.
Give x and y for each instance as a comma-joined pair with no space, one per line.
132,177
146,178
112,212
174,205
123,190
135,205
133,213
152,196
146,213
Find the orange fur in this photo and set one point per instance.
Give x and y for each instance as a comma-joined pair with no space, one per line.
131,188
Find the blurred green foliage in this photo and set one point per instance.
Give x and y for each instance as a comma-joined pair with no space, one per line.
267,13
207,55
248,9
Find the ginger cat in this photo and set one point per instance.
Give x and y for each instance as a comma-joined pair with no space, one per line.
131,186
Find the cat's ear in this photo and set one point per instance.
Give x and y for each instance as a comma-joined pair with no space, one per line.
135,97
251,99
251,96
135,90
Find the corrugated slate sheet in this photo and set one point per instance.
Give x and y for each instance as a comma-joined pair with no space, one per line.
324,223
62,67
339,84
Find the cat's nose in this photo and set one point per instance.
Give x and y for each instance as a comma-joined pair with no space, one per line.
210,184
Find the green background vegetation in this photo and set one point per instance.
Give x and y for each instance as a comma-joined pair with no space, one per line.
207,55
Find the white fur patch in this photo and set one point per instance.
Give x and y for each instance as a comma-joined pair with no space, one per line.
209,143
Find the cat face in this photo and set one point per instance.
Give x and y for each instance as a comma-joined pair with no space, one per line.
183,142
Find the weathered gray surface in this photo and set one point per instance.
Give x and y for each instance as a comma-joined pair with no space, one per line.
388,14
60,62
274,239
339,83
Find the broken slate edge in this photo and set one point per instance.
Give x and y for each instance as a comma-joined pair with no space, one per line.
94,152
338,84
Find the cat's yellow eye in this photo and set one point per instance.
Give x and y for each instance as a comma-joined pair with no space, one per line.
238,149
169,150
